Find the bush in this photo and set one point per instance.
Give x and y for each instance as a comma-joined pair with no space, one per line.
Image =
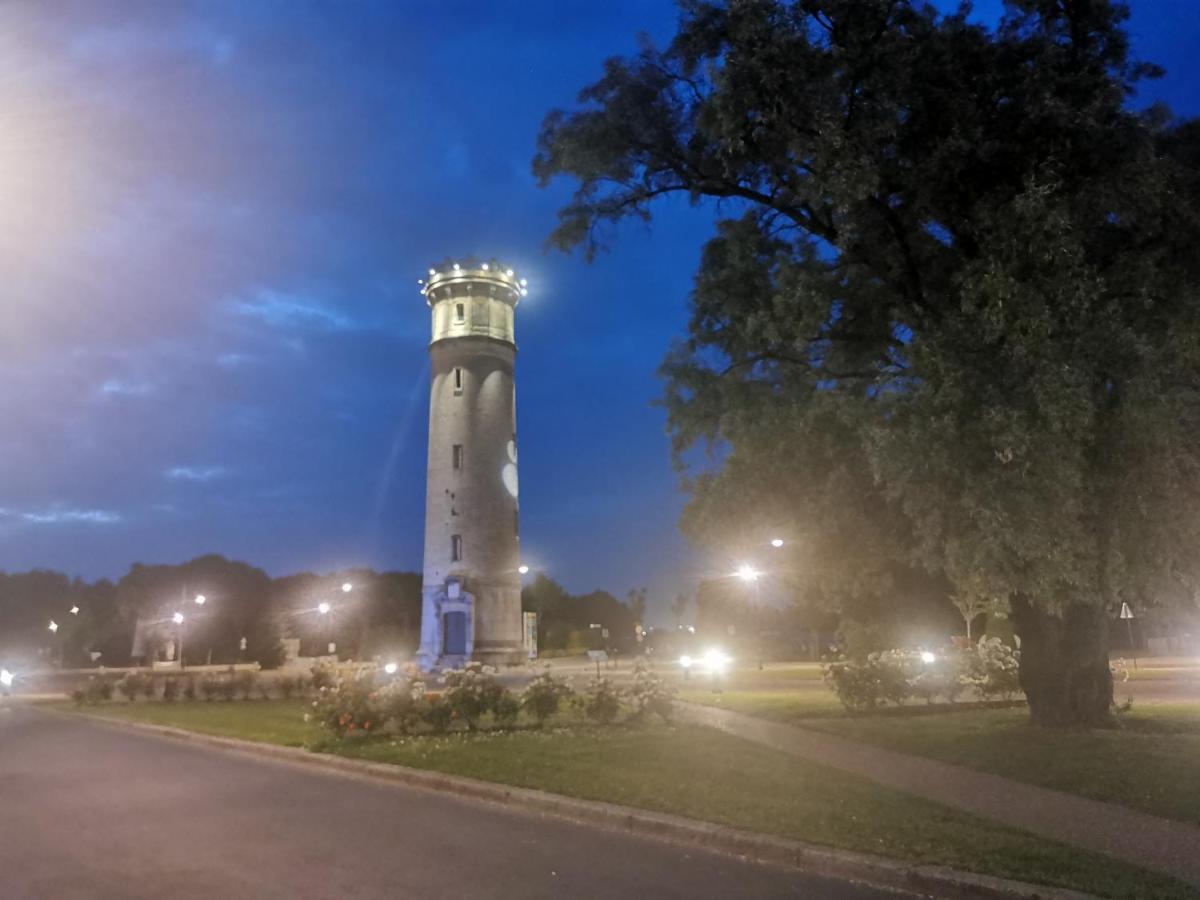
189,688
324,675
94,690
347,707
244,681
542,696
210,686
226,687
471,693
132,684
995,668
601,702
506,710
437,714
149,687
649,693
893,676
170,689
401,705
287,687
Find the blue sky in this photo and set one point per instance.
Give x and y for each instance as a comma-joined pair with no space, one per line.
212,219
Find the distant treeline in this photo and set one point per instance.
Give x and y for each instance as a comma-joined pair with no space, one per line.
381,614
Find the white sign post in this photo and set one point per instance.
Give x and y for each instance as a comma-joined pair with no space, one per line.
1127,615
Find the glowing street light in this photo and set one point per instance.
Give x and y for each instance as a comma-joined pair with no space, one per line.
74,610
347,587
747,573
524,570
6,678
201,599
53,626
323,608
927,657
391,668
777,543
177,618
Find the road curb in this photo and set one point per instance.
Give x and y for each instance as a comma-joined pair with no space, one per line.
935,881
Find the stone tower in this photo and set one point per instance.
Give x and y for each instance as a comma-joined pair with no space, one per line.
471,589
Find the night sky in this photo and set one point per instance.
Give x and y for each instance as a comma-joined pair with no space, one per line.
212,219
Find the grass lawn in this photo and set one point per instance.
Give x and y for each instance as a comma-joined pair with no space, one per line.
704,774
782,706
1151,761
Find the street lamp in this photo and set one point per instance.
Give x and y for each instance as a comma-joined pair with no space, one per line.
777,543
201,600
347,587
324,608
178,620
748,573
53,626
74,610
524,570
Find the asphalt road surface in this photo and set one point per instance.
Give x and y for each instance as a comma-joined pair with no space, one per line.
91,811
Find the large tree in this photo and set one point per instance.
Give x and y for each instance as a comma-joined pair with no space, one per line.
948,322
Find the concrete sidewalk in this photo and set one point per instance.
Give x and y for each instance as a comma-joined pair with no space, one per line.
1151,842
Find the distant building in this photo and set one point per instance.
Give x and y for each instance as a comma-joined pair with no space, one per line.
471,588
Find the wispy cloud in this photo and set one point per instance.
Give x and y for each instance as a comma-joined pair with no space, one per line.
195,473
72,517
123,388
286,311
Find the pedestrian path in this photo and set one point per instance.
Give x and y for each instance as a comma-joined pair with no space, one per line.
1144,840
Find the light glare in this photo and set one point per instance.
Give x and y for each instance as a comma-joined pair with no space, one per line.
323,608
927,657
747,573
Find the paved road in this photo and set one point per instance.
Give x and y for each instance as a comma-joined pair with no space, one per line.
90,811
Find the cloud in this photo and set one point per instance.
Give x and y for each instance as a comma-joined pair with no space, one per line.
123,388
71,517
194,473
284,311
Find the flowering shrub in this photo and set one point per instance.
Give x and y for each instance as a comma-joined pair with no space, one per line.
990,667
95,690
542,696
472,692
994,668
649,693
601,702
324,675
401,705
347,707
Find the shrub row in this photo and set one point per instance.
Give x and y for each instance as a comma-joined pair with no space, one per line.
183,686
472,696
990,668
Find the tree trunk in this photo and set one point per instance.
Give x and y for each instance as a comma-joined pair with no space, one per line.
1064,664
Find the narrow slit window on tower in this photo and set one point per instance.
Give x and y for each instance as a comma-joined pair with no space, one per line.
458,379
457,456
460,313
456,548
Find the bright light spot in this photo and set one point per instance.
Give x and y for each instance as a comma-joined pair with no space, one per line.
347,588
53,626
74,610
524,292
456,267
323,608
747,573
524,570
691,629
201,599
485,267
509,273
777,542
177,618
716,660
6,677
523,282
927,657
433,271
685,661
391,668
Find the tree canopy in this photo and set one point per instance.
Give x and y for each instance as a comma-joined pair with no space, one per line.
948,321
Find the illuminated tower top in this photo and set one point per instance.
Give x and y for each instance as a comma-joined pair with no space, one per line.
472,299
